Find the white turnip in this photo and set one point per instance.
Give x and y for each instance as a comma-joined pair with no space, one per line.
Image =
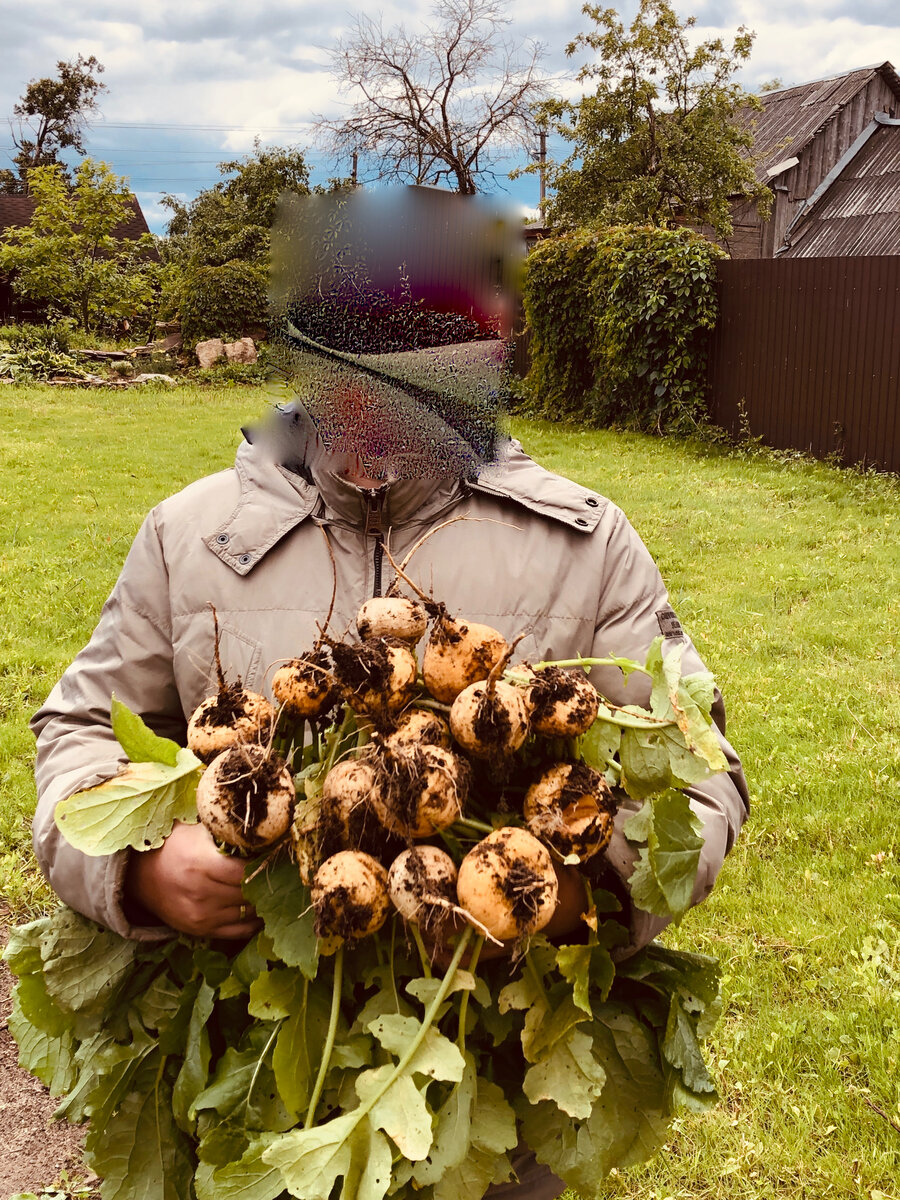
508,884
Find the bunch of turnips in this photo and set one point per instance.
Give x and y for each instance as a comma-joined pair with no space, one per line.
396,813
432,760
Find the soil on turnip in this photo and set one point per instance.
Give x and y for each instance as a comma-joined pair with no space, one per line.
227,707
554,686
424,891
522,886
403,778
311,675
338,915
246,778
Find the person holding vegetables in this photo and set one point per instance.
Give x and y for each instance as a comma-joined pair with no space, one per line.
389,454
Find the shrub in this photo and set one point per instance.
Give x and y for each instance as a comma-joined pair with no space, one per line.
218,301
620,321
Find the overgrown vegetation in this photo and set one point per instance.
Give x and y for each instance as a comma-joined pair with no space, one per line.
217,248
70,258
658,140
620,320
784,571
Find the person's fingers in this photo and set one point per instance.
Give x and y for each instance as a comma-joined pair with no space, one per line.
237,928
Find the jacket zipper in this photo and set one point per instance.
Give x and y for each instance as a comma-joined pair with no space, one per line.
375,498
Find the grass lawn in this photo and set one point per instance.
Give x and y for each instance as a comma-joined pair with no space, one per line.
785,572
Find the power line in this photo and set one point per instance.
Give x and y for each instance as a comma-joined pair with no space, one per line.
208,128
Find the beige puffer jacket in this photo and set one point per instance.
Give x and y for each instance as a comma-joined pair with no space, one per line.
537,553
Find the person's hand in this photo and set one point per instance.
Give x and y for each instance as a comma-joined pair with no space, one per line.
188,884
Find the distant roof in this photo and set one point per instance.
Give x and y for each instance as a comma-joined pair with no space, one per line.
856,210
18,210
791,117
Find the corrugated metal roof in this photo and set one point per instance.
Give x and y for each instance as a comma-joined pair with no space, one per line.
791,117
860,211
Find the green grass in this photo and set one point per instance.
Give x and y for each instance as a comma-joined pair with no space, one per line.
786,574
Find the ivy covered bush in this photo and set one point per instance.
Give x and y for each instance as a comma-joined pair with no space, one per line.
620,320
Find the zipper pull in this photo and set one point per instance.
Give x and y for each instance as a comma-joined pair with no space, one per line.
375,498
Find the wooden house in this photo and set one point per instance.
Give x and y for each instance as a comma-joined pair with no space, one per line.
18,211
806,139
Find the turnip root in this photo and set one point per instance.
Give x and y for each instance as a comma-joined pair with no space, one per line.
563,703
304,687
459,653
419,790
490,718
377,678
392,617
422,885
245,798
508,884
571,808
419,727
230,717
350,895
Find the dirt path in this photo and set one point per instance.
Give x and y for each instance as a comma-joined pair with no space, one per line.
35,1148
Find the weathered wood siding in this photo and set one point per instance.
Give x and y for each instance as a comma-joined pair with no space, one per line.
806,355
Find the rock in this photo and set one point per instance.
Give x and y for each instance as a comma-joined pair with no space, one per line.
209,353
151,377
241,351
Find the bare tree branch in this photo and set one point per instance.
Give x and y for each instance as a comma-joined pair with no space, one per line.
435,107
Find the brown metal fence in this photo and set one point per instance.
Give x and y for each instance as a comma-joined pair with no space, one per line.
806,355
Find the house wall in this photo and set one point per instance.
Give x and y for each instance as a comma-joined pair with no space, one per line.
792,188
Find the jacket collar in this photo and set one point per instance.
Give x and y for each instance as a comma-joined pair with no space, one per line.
274,499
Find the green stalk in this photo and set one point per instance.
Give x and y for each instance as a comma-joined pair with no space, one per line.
536,979
258,1067
329,1038
471,823
423,953
427,1021
464,1002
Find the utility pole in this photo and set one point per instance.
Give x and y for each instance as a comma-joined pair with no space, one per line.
353,169
542,158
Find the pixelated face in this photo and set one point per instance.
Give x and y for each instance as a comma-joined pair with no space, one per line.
391,312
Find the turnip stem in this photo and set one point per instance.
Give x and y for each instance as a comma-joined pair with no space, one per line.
464,1002
471,823
423,953
329,1038
427,1021
584,662
531,968
258,1067
434,705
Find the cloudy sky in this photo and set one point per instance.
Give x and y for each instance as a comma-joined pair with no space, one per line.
191,81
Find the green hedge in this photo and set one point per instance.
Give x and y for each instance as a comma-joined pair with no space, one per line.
224,301
620,321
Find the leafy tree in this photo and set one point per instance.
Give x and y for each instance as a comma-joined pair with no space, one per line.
432,108
217,247
70,257
50,117
657,141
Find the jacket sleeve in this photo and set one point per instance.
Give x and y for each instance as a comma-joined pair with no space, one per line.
633,610
129,654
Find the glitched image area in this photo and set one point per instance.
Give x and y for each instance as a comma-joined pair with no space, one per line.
391,314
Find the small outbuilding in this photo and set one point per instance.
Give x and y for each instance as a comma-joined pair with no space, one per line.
833,138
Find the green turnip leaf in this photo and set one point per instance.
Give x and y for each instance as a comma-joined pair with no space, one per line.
437,1056
136,808
663,878
248,1178
284,904
136,738
452,1136
401,1111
